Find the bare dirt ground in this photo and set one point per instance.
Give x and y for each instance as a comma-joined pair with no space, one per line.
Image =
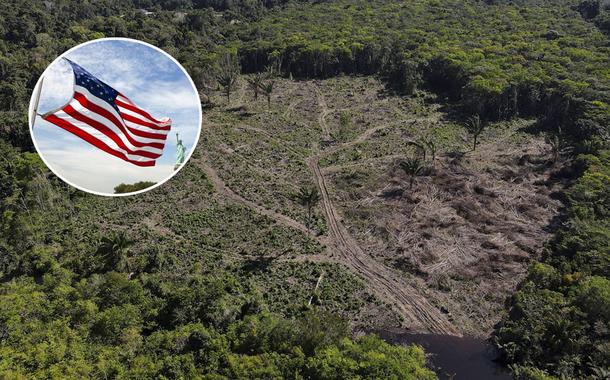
443,254
468,227
415,311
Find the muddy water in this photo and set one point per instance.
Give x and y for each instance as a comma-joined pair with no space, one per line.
456,358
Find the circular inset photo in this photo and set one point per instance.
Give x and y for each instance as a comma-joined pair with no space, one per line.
115,116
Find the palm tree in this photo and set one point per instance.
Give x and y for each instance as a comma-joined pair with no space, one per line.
255,82
420,146
412,167
267,89
115,251
308,197
475,126
558,143
431,146
228,75
423,145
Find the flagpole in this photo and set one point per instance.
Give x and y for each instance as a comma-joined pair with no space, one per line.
37,90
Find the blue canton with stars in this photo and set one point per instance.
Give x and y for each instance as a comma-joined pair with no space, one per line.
95,86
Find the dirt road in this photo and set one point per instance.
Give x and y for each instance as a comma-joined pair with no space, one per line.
323,113
415,310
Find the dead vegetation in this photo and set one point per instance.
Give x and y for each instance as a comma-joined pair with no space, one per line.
468,227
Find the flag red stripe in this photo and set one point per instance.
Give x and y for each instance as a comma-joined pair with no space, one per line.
116,111
108,132
137,110
144,123
148,135
82,99
93,140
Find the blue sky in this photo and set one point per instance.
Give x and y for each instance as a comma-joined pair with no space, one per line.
146,76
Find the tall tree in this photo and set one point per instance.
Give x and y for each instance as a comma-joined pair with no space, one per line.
255,82
308,197
228,74
412,167
114,250
267,89
475,127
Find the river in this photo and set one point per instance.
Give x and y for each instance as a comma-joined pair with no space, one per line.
455,358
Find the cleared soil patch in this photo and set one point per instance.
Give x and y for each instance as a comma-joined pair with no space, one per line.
469,226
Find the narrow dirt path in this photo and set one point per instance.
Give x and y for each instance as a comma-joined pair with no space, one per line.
291,107
323,113
365,136
224,190
292,104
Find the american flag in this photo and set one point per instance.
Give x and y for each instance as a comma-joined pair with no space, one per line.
108,120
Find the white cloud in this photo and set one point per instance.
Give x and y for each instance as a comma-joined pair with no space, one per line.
177,99
57,86
95,170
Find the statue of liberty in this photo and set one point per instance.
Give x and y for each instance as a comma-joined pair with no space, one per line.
180,152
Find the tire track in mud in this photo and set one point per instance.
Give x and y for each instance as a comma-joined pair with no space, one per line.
415,310
418,314
292,105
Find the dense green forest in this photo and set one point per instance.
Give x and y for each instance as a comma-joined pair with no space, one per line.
559,319
77,302
131,187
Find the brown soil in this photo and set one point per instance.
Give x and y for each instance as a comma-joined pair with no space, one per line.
468,227
415,311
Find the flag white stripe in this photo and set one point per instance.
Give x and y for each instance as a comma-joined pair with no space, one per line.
100,136
124,99
143,118
101,103
110,125
144,129
140,127
161,122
